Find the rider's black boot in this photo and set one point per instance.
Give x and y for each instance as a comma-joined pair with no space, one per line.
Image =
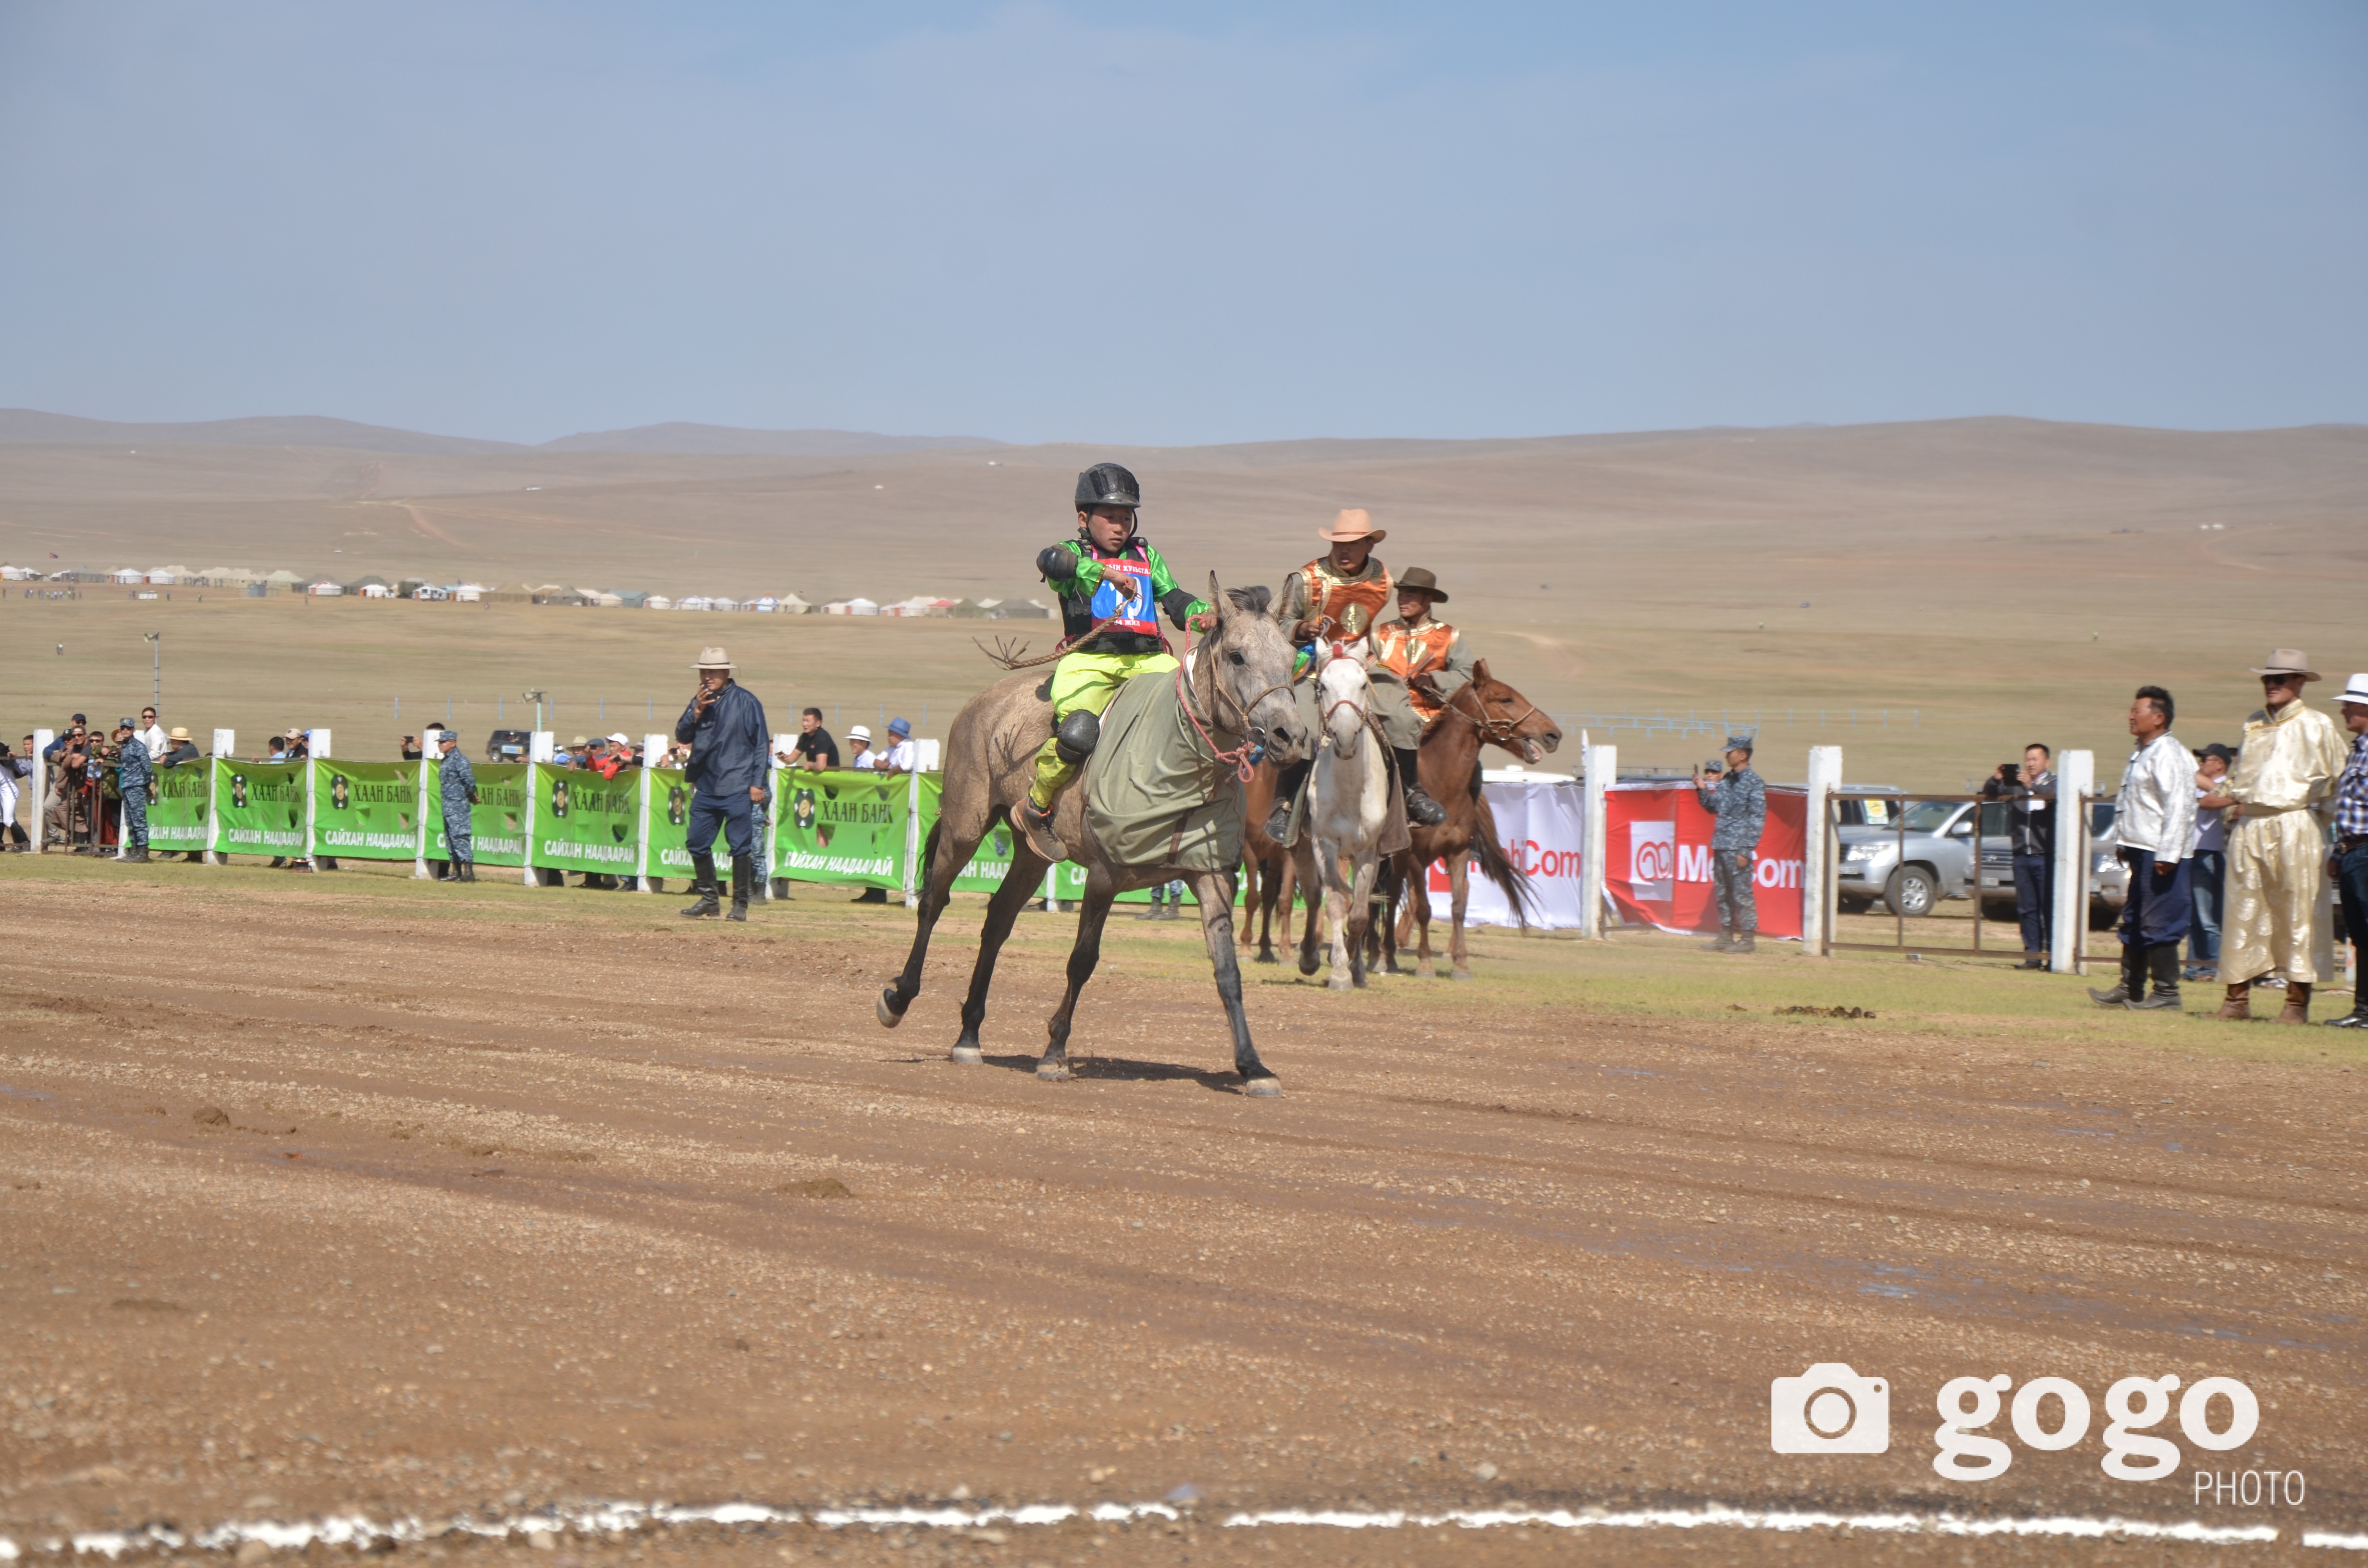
1421,810
744,878
1287,785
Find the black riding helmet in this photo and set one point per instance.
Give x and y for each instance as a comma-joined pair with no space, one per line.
1107,485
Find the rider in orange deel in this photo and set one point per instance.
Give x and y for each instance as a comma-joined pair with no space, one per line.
1418,643
1113,584
1337,598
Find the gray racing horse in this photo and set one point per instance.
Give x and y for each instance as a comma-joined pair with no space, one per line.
1237,696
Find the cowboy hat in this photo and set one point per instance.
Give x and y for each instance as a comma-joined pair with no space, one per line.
1353,523
1420,578
2357,691
712,659
2289,662
861,733
176,733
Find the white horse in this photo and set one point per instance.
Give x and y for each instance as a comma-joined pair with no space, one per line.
1347,807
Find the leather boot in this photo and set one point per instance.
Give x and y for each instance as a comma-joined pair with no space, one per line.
1726,942
1743,943
1036,827
468,871
703,883
2237,1005
2133,982
2162,962
744,879
1420,809
1287,785
2297,1007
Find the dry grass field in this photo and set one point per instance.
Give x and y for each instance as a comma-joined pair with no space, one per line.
1982,582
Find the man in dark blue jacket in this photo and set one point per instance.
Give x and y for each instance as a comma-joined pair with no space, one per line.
730,761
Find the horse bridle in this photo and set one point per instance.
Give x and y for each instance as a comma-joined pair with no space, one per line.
1238,757
1493,732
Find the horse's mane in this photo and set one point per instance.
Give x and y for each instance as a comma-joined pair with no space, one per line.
1255,599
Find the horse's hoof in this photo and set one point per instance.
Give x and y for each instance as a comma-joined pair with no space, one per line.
890,1014
1426,973
1336,983
1459,974
1266,957
1054,1072
968,1055
1264,1087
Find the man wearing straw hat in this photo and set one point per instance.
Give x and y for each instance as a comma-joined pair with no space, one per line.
2286,767
2349,864
730,756
1337,598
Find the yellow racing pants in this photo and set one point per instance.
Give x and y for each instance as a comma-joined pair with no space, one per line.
1085,680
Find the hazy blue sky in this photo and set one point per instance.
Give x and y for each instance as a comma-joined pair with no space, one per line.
1176,224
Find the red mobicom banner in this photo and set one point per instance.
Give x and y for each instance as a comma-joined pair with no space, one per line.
1656,838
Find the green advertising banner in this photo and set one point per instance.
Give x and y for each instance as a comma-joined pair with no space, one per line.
176,807
844,826
497,822
261,807
366,811
585,823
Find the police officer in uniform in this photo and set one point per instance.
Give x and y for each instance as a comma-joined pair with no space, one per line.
730,757
459,784
134,776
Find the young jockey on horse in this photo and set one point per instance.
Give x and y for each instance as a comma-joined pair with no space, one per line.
1415,646
1337,598
1107,573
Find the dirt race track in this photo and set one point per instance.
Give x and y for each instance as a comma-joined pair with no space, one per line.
343,1195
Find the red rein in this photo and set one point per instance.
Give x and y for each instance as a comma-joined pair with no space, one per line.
1239,757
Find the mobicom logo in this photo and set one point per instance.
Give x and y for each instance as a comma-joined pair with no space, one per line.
1652,858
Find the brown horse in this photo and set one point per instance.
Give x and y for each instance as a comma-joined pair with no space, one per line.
1269,873
1483,712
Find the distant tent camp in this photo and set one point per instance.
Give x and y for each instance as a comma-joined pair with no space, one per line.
324,589
793,605
1019,609
128,576
656,601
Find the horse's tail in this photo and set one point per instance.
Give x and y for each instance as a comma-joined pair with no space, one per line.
930,849
1498,868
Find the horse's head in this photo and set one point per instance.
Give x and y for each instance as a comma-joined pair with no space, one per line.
1506,718
1343,695
1247,662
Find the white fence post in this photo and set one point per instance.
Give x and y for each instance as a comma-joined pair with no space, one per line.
653,748
1602,764
42,741
316,750
531,877
2067,931
225,748
428,743
1816,864
912,835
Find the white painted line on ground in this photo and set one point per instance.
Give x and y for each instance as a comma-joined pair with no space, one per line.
602,1518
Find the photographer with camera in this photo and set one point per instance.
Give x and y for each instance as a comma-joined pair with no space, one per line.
2030,790
730,757
1739,802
